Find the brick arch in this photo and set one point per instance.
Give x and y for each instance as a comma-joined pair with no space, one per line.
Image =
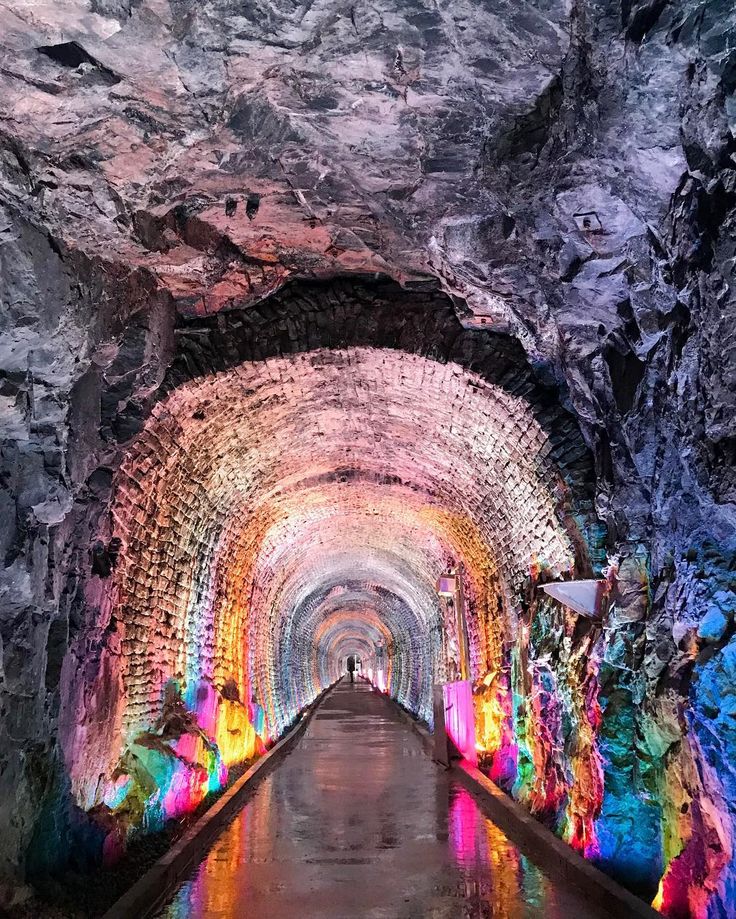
263,481
306,316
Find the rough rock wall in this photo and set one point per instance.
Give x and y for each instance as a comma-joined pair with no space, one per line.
566,171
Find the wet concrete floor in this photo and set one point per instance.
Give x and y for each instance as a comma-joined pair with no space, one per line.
357,821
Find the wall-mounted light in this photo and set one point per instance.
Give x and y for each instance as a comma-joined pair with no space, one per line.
450,588
447,585
585,597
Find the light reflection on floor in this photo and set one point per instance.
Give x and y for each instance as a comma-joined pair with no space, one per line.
494,870
363,824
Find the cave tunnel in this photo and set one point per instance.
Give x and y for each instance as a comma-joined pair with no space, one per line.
399,333
292,498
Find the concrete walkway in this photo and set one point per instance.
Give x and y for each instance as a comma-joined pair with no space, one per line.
358,822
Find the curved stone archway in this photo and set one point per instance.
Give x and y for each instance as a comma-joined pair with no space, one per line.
255,496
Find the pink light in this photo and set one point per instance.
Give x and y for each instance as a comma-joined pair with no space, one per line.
466,827
376,678
460,718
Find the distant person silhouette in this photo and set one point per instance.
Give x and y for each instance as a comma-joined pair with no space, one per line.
351,668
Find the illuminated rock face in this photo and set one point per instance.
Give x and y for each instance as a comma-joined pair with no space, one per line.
280,511
220,477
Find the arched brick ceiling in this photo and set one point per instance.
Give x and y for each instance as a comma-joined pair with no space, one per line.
263,501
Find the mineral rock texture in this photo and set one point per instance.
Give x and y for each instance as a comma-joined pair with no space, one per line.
473,261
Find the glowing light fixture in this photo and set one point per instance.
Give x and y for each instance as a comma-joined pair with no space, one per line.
447,585
460,718
450,587
585,597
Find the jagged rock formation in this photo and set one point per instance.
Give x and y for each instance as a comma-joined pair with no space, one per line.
564,173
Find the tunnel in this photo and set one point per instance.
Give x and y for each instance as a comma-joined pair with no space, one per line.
396,333
287,504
